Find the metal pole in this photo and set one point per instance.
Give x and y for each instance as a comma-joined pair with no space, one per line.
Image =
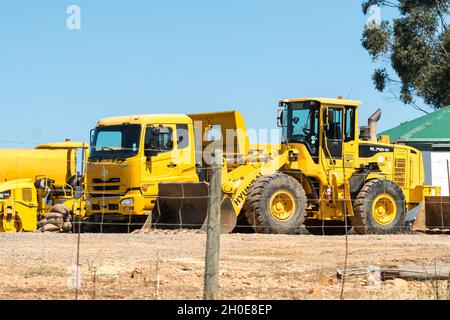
448,287
213,234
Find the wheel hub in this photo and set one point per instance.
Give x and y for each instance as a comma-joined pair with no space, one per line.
384,209
282,205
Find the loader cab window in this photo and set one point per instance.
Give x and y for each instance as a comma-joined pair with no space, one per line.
303,124
158,139
350,124
111,142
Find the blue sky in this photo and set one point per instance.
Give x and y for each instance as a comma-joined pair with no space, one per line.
177,56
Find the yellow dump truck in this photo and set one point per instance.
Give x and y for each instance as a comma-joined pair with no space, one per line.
34,182
324,173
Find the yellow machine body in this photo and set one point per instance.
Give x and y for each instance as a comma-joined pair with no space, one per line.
30,163
22,201
146,163
18,206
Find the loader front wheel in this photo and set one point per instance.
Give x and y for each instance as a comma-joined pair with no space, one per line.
379,208
276,204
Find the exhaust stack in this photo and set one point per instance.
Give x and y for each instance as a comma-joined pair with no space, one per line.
373,119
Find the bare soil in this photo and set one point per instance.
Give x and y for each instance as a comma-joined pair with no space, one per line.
165,265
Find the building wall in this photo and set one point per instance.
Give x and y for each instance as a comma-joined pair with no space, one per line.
439,171
427,166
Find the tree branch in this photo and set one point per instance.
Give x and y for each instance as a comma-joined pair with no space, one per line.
412,104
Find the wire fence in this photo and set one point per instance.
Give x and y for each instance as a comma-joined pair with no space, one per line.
166,257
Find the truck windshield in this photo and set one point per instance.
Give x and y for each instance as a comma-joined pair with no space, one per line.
303,125
113,142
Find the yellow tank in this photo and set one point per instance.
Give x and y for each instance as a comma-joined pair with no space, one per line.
31,163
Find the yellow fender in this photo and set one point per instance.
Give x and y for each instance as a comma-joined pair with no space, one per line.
237,191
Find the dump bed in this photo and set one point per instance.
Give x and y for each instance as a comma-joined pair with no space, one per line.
226,129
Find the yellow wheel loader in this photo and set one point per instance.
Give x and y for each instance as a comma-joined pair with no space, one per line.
325,174
38,181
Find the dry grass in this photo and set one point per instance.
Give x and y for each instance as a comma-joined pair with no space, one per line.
170,266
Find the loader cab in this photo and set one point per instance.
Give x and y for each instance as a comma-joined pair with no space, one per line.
322,126
301,124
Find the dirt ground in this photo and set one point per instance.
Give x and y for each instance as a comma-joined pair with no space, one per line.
164,265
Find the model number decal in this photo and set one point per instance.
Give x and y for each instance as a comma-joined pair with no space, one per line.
380,149
370,150
240,197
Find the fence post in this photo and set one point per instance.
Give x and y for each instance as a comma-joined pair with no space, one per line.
213,234
448,287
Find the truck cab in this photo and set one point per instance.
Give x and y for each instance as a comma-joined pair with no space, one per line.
135,161
130,156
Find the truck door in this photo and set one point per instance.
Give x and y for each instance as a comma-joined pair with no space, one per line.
169,154
185,153
160,163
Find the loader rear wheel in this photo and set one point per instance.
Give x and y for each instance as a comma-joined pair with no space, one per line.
379,208
276,204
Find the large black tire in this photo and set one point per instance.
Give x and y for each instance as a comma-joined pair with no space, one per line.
327,228
257,206
364,220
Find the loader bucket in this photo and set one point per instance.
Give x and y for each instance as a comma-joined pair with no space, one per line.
228,218
434,216
185,205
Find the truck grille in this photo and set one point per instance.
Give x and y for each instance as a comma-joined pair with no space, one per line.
104,195
112,180
110,207
106,188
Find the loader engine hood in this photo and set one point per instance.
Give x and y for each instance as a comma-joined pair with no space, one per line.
112,178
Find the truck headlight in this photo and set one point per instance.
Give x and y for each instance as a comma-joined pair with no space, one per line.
5,195
127,202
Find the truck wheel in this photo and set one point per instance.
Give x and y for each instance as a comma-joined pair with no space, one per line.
379,208
276,204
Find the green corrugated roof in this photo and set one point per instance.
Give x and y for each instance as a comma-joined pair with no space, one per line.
434,127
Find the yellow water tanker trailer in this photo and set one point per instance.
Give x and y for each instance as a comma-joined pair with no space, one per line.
29,164
35,182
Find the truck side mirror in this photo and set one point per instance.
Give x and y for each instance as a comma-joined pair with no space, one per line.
149,147
91,136
280,118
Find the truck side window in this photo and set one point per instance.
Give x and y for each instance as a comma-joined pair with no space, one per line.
349,124
158,140
182,136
